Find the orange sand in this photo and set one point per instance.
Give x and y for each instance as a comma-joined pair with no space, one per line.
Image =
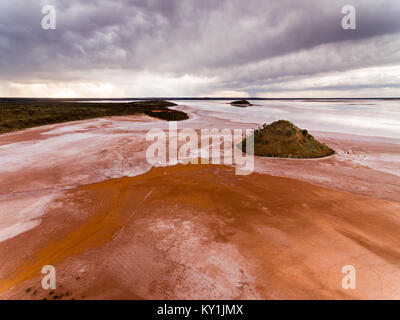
200,231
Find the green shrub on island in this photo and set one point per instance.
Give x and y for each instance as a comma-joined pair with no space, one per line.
283,139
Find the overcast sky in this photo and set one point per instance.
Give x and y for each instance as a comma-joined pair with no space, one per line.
144,48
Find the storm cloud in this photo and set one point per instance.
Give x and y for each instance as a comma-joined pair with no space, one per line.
263,48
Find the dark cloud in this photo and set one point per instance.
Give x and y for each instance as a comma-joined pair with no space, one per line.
238,44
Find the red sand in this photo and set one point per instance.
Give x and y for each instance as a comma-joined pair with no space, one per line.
202,232
192,231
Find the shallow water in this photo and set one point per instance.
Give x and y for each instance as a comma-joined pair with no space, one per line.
48,159
380,118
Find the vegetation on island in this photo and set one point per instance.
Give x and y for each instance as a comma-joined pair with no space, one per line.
283,139
16,114
241,103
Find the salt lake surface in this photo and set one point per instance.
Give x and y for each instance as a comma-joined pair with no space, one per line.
38,163
379,118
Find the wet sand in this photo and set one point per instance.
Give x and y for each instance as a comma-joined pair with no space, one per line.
193,231
201,232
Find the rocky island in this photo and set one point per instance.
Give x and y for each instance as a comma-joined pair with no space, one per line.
282,139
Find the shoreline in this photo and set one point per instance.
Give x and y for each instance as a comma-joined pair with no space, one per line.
21,114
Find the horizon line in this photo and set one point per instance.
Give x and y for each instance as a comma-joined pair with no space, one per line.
199,98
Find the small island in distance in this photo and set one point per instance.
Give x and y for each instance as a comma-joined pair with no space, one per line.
282,139
241,103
